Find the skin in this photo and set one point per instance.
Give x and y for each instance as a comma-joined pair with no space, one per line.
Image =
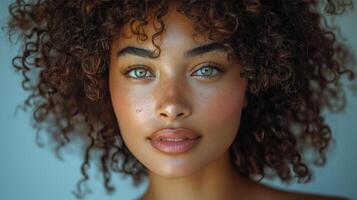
173,92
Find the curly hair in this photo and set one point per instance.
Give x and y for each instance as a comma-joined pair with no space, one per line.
292,60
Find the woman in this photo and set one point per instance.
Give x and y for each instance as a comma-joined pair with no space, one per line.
200,97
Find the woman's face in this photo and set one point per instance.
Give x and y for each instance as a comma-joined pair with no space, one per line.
172,91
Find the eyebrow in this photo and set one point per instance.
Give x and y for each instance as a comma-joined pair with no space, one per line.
146,53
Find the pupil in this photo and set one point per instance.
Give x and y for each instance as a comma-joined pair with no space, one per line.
206,71
140,72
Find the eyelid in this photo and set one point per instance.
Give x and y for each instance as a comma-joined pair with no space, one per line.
129,68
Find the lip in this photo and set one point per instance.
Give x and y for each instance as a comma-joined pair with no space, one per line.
186,140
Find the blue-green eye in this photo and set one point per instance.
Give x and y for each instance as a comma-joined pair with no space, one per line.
139,72
208,71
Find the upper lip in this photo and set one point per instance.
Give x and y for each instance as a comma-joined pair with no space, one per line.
174,133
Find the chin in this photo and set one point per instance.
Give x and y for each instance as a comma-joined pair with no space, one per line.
175,170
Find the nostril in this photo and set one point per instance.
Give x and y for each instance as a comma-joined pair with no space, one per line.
179,114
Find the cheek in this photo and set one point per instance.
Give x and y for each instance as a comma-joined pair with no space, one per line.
128,105
220,118
129,109
223,107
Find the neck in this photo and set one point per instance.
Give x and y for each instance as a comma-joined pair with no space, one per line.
217,180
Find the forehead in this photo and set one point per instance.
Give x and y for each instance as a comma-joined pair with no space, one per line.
178,31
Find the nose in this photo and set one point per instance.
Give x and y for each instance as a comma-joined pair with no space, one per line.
173,112
172,103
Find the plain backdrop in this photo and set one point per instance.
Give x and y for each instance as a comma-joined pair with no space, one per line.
30,172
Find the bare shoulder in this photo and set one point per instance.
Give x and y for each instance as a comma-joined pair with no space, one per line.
278,194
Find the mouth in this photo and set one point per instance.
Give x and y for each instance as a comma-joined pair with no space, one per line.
174,141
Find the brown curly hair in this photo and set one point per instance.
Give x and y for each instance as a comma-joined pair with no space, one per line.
292,60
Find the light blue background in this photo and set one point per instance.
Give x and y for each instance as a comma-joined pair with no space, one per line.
30,172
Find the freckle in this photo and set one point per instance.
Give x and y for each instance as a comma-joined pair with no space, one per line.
138,110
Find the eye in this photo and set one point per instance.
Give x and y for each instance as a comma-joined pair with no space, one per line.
137,72
209,70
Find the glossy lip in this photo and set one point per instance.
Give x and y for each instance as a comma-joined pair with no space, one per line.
174,133
187,140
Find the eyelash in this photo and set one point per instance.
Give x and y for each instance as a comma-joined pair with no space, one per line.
207,65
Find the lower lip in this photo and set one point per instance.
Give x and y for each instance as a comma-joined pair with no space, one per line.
173,147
